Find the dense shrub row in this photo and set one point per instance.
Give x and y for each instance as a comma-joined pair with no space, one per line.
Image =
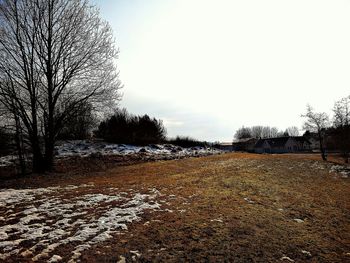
127,128
5,142
186,142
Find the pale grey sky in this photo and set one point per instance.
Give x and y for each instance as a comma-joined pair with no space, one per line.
207,67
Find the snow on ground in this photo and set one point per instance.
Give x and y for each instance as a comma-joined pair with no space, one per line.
84,148
36,222
340,169
7,160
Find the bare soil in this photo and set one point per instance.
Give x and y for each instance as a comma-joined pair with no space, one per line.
234,207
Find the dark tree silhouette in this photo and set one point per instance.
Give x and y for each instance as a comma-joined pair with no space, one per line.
126,128
187,142
340,133
5,139
243,133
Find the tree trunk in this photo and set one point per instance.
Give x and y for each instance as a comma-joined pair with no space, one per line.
322,149
49,154
39,165
19,146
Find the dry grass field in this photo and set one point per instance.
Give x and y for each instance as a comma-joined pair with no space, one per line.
226,208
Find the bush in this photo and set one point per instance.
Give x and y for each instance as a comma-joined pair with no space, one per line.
187,142
127,128
5,142
338,139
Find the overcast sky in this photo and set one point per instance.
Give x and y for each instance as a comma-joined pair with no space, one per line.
208,67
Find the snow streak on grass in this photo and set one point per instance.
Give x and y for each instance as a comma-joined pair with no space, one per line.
38,221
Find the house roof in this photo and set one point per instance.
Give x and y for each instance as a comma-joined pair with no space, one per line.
301,139
244,140
259,143
273,142
225,144
280,141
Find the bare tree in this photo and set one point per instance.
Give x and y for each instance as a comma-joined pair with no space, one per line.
292,131
273,132
269,132
341,111
256,131
55,55
341,130
243,133
317,122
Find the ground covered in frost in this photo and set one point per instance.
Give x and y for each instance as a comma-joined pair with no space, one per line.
232,207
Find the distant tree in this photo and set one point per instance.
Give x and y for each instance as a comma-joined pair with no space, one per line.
269,132
341,112
80,125
186,142
273,132
256,131
292,131
282,133
126,128
55,55
243,133
340,133
317,122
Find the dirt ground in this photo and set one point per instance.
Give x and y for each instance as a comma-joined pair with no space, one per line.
233,207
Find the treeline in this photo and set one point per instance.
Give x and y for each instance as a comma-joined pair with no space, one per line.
187,142
264,132
123,127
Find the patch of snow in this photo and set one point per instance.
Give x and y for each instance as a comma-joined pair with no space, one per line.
248,200
318,165
298,220
285,258
136,253
83,148
50,220
307,253
7,160
121,259
217,220
54,259
340,169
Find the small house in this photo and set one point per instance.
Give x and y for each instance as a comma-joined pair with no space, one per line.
282,145
225,146
246,144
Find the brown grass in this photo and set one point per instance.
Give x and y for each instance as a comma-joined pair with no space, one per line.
229,208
